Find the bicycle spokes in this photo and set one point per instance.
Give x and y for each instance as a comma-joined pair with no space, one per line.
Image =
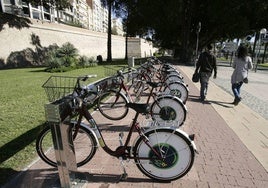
169,156
167,113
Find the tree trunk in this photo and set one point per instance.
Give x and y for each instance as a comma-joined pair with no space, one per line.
264,53
126,49
185,52
109,42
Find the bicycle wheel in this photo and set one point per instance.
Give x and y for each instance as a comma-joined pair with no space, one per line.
168,108
177,89
85,146
176,150
112,105
173,78
136,81
136,90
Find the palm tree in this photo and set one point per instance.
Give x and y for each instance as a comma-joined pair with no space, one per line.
109,4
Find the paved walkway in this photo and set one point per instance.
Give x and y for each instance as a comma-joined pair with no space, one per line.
232,144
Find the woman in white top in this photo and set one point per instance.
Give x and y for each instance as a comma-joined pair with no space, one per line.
242,63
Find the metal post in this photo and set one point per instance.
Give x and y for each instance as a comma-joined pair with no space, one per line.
63,146
197,41
261,36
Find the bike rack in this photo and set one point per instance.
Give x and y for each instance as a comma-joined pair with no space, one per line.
63,146
62,140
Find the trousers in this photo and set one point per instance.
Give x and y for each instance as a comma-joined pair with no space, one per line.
204,80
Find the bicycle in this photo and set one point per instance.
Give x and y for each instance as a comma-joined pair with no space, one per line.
161,153
173,81
112,103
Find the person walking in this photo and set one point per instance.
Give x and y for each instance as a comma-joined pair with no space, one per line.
242,63
205,65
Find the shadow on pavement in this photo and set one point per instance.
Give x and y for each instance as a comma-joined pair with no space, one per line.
195,98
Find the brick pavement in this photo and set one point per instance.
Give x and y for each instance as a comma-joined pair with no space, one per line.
223,159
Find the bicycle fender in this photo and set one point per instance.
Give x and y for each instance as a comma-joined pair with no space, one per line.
86,126
181,83
188,137
123,95
172,97
174,129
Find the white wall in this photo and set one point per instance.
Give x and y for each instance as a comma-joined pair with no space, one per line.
140,48
88,42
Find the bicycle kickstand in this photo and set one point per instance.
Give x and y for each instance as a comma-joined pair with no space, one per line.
123,176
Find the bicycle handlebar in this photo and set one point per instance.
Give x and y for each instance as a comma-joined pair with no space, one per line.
82,92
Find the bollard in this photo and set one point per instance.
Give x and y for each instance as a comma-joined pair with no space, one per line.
131,62
63,146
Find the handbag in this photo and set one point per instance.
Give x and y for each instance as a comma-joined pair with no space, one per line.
196,77
245,80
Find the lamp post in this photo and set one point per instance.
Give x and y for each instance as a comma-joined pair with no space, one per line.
198,29
262,34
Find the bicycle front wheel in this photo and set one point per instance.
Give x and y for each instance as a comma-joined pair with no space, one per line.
175,149
85,146
177,89
168,108
112,105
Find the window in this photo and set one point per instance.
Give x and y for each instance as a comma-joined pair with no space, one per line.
36,15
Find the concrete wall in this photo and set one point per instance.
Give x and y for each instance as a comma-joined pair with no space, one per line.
140,48
88,42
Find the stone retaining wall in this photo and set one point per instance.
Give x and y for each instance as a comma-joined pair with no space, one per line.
88,43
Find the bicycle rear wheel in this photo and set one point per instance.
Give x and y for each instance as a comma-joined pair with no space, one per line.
112,105
176,150
168,108
85,146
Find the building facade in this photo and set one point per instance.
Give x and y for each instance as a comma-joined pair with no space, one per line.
89,14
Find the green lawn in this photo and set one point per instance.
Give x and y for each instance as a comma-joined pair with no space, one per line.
22,102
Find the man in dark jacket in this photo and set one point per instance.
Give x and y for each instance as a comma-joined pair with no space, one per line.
206,64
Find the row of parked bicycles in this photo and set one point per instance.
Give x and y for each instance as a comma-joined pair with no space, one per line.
161,151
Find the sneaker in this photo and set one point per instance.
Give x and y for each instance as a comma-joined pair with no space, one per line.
236,101
202,99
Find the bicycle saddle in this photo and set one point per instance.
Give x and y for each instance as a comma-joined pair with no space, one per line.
154,84
141,108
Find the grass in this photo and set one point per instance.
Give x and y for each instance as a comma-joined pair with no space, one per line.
264,65
22,102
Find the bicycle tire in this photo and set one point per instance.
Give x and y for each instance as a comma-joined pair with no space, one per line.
136,80
177,89
173,78
136,90
112,105
177,148
85,146
168,108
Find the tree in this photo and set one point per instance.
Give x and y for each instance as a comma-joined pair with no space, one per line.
116,7
109,4
123,9
174,22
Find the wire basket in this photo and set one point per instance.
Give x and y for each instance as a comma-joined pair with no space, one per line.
57,87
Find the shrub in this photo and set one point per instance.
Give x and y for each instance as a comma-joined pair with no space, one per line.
85,61
59,58
2,63
66,58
